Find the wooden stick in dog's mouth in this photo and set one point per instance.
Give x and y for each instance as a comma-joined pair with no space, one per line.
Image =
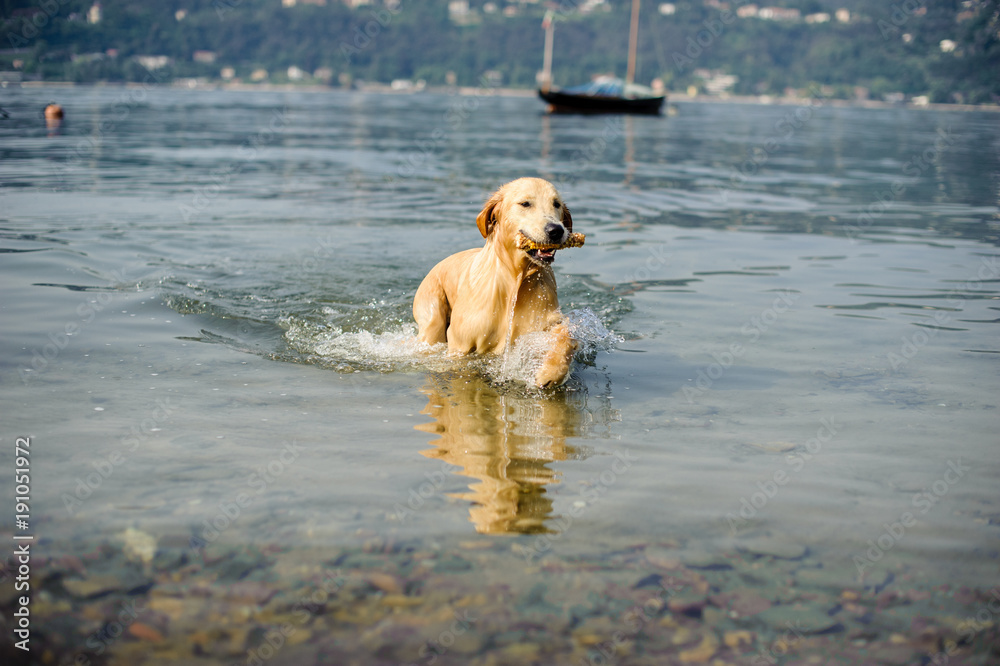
525,243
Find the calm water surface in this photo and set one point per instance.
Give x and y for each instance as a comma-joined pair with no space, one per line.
790,373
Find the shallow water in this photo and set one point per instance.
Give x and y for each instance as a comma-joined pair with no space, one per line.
789,380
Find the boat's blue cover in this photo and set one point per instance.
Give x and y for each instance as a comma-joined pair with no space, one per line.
604,87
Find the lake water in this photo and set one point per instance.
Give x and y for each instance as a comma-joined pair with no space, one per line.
779,443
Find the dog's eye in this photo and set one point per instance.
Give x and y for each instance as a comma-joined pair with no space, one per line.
556,204
525,204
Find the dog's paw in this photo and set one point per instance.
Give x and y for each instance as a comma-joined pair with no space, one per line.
553,373
558,361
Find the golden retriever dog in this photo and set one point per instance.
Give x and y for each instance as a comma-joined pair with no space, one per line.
481,300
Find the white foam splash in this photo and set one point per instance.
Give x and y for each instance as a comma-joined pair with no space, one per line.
593,336
521,362
399,349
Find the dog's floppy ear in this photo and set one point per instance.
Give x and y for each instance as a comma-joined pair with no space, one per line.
567,218
486,219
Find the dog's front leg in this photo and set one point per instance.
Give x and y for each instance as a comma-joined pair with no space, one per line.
557,362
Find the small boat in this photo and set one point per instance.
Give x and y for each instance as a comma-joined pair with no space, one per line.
603,95
606,94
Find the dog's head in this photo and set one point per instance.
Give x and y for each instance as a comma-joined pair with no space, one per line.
531,206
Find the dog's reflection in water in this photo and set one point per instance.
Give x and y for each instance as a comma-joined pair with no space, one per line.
505,441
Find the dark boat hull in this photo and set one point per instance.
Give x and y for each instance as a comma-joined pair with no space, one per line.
563,102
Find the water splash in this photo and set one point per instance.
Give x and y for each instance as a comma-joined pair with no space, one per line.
398,349
521,361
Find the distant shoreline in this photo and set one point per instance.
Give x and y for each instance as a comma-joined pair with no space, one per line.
384,89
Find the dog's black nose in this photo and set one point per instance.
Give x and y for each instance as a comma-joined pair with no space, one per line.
554,232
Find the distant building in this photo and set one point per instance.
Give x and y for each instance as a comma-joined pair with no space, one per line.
779,14
460,13
720,83
747,11
295,74
181,14
87,57
205,57
821,17
493,78
152,62
843,15
715,81
227,73
668,9
458,9
947,46
258,75
94,13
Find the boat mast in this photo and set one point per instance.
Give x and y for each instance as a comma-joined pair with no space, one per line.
633,39
549,25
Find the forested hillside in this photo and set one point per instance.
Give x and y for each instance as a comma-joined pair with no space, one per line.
948,50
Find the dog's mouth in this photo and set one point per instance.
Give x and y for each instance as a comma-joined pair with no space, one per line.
541,256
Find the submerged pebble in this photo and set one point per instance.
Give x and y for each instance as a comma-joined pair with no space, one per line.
385,606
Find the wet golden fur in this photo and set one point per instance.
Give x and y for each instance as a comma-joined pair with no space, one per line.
466,300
